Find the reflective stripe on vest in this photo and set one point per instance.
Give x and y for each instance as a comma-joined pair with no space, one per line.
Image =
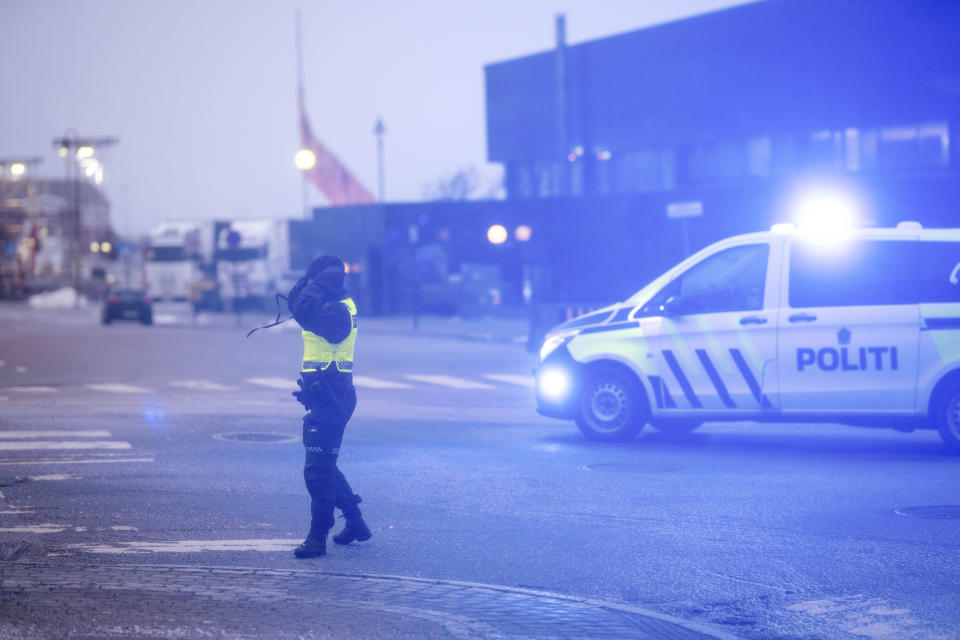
318,353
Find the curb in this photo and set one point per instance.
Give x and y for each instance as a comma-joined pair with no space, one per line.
466,609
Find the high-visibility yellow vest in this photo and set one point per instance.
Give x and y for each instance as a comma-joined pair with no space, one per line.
318,353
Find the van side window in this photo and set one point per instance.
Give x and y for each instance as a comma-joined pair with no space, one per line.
848,274
729,280
938,272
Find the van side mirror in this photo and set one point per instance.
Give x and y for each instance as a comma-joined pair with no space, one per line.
671,306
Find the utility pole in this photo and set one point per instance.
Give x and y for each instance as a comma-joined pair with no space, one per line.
76,150
379,130
561,84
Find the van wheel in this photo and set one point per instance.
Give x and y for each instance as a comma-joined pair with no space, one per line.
612,406
947,415
676,426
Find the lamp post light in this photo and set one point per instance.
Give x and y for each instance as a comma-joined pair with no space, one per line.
78,153
16,168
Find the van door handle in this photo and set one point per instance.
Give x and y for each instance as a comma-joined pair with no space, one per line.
753,320
802,317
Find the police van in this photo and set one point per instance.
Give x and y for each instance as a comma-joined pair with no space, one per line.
861,327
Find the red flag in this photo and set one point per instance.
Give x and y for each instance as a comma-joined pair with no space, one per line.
328,175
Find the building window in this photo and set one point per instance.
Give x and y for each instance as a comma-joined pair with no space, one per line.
636,171
914,146
759,156
782,154
825,149
851,148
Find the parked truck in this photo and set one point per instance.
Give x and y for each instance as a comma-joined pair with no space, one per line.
253,261
178,256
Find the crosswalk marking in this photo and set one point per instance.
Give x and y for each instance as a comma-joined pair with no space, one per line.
449,381
60,461
32,445
190,546
376,383
19,433
510,378
274,383
117,387
289,384
201,385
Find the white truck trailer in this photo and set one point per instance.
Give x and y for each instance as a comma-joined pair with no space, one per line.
253,258
177,253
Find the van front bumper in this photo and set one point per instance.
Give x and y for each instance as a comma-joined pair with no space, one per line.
558,383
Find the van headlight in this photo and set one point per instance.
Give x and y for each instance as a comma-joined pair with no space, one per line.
554,383
553,341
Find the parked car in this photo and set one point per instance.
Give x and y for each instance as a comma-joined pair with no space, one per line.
127,304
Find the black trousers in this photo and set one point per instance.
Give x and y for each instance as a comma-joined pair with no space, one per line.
332,402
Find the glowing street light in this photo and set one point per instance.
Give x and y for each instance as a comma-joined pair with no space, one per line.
305,159
497,234
16,168
522,233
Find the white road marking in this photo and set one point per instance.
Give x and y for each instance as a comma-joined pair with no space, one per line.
32,389
3,363
510,378
54,476
376,383
117,387
13,512
37,528
16,434
7,463
63,444
275,383
21,369
191,546
4,398
123,528
201,385
449,381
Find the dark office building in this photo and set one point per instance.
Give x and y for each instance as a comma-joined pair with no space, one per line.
732,109
625,154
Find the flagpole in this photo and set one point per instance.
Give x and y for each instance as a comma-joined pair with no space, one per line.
301,107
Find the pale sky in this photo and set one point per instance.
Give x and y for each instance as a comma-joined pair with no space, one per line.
202,93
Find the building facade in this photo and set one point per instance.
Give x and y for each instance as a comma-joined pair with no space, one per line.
46,227
755,97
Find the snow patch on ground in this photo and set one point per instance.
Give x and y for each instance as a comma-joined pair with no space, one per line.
64,298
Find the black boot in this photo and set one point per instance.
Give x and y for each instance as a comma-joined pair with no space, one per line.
312,547
355,529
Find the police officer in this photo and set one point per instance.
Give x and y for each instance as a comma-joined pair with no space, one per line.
328,318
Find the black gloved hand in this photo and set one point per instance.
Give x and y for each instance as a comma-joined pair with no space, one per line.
303,395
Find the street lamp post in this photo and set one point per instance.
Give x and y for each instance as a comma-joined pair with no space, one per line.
305,160
379,130
77,151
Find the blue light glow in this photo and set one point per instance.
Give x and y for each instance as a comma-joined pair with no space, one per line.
827,216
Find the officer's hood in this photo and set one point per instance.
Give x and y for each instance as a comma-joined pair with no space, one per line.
327,273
